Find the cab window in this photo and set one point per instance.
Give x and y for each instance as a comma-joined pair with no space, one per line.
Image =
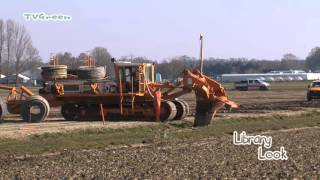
148,73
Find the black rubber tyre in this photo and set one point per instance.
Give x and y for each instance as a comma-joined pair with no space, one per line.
51,72
168,111
3,110
204,113
80,112
181,110
186,106
34,109
91,72
70,112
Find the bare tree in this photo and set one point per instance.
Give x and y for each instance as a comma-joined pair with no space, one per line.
103,58
1,43
313,59
9,33
22,41
32,62
289,56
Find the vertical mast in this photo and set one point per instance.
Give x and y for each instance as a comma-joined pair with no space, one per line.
201,53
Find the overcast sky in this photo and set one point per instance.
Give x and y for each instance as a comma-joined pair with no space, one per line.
167,28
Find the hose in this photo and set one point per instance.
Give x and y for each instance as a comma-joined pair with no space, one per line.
146,82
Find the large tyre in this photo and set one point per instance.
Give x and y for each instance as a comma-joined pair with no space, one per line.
34,109
51,72
3,109
186,106
181,110
80,112
91,72
70,111
168,111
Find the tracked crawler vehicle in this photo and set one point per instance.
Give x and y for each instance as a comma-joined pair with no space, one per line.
133,94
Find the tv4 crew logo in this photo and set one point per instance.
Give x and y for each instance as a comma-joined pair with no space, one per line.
41,16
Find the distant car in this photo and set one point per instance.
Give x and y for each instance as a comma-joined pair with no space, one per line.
313,91
251,84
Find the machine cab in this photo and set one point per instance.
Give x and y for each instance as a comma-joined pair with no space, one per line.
132,77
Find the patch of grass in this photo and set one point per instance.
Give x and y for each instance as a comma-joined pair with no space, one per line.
101,138
250,125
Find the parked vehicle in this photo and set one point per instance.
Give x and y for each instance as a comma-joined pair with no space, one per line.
251,84
313,91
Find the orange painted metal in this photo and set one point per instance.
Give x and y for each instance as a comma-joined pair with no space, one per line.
94,88
26,91
59,88
54,60
102,113
157,104
89,61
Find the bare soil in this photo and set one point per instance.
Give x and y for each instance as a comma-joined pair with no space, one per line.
209,158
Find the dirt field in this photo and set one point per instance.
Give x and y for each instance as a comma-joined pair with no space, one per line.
213,156
209,158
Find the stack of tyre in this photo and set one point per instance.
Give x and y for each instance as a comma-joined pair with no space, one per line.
51,72
86,72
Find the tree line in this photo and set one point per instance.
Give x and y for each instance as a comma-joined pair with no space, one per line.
172,68
17,54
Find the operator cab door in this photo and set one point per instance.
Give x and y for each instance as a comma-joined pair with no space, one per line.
127,79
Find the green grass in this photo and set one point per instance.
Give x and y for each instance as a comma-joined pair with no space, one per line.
101,138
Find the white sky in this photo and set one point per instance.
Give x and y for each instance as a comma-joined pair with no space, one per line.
163,29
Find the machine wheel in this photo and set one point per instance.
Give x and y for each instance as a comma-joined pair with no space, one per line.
187,107
181,110
168,111
34,109
79,112
70,111
3,109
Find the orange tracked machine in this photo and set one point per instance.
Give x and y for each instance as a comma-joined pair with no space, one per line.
133,94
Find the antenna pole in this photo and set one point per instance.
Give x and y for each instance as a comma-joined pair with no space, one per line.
201,53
